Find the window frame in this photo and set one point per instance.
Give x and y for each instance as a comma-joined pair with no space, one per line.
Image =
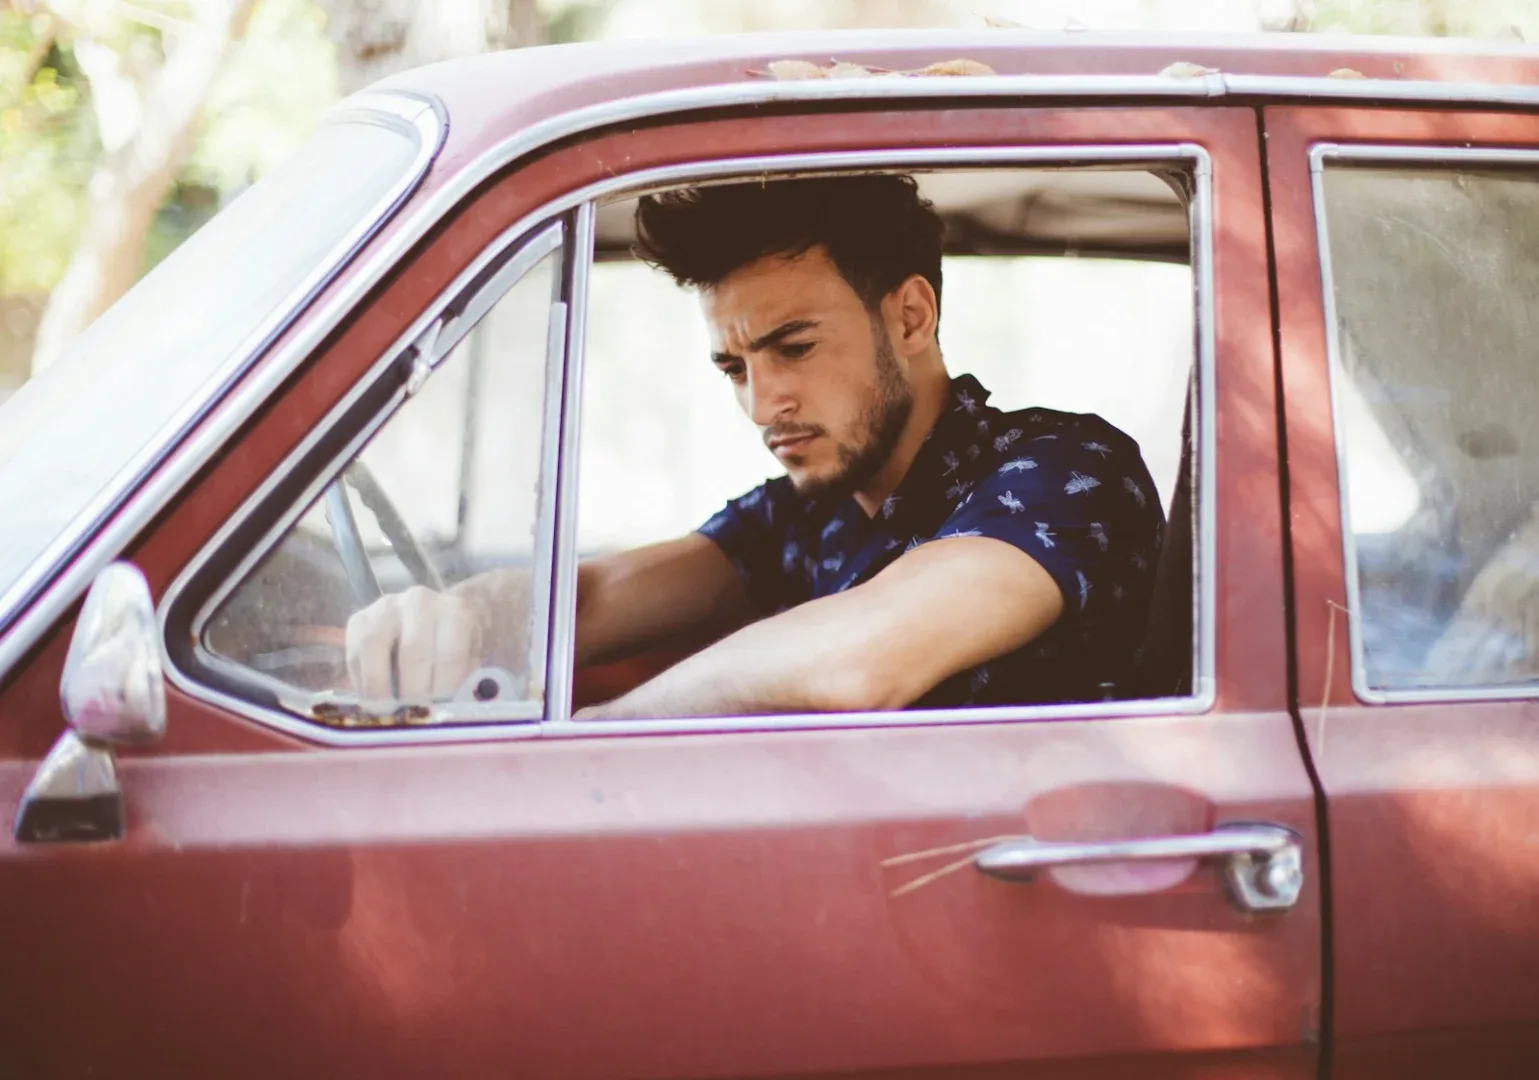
577,210
266,516
1426,155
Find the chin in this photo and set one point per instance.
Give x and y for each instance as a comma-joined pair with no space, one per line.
814,484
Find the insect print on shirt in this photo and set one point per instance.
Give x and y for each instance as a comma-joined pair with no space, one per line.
1003,442
1098,534
1079,482
1011,503
1131,487
1020,464
1045,535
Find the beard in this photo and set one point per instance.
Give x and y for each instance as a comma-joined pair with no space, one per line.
877,430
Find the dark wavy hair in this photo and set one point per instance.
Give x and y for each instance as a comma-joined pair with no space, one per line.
877,230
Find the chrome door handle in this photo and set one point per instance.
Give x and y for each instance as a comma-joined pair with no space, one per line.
1263,864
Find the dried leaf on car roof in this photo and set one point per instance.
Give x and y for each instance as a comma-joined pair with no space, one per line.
1346,73
999,22
1183,69
794,69
955,67
842,69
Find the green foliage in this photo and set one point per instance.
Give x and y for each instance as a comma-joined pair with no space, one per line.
279,79
47,146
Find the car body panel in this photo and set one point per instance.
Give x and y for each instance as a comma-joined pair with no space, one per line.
694,905
1432,807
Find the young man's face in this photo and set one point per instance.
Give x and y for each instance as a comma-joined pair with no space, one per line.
812,367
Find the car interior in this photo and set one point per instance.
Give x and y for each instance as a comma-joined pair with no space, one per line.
1067,287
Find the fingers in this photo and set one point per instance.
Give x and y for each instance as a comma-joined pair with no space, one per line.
371,637
431,642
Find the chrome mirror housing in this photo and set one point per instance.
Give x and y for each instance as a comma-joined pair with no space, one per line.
113,693
113,690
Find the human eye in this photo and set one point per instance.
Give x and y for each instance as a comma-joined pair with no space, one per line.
734,372
796,350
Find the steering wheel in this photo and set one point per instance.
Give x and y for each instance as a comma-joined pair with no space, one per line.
361,580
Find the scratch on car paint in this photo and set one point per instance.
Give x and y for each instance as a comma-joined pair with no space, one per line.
971,847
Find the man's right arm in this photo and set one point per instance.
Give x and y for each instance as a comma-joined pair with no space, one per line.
420,644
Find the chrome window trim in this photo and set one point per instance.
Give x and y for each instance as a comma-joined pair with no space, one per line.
394,109
560,676
234,408
563,613
423,332
1437,157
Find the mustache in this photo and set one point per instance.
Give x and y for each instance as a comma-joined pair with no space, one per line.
791,431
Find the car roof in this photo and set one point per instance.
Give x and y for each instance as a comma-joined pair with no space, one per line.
494,96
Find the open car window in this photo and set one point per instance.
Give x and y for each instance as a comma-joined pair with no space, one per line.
1068,289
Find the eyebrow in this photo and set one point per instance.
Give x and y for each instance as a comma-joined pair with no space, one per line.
764,341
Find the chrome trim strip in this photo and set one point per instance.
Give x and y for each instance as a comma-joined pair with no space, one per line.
1336,369
536,248
1374,91
559,665
559,673
545,513
234,409
223,410
1205,625
1004,714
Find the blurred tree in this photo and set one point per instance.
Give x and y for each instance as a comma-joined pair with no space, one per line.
150,70
376,38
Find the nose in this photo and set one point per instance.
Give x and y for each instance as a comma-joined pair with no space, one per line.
767,397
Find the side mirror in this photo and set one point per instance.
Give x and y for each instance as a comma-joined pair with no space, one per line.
113,694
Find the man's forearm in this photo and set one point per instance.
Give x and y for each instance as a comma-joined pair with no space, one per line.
769,666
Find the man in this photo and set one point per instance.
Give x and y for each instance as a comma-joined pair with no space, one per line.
923,549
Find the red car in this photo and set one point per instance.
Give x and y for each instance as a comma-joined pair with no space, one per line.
1303,273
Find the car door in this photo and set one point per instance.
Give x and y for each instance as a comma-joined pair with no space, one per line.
723,896
1406,258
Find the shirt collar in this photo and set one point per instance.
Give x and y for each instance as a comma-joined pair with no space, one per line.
924,498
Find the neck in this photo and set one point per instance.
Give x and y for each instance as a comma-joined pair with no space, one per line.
932,390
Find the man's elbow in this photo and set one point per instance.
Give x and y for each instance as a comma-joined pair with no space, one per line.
858,686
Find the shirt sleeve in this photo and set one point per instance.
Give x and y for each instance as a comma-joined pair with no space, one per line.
750,532
1086,513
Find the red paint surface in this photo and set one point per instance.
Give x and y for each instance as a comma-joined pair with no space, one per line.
687,905
1433,809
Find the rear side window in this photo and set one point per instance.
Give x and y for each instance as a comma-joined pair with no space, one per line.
1433,272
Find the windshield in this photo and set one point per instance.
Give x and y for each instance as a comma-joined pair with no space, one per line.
77,437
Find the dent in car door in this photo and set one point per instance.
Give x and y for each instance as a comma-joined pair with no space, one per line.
728,902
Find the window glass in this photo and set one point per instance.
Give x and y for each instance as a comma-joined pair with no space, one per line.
1066,290
77,430
1433,273
447,489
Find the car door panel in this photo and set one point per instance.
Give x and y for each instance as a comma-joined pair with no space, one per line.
715,903
1431,806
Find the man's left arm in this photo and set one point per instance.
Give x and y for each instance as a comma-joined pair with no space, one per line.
946,606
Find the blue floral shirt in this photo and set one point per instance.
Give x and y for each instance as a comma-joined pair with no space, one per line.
1070,490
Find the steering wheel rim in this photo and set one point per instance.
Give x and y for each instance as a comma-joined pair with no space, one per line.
348,539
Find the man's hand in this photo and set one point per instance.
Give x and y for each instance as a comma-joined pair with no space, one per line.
418,645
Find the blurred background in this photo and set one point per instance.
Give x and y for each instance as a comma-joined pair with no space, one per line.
124,125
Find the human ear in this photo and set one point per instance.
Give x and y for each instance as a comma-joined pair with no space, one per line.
913,310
